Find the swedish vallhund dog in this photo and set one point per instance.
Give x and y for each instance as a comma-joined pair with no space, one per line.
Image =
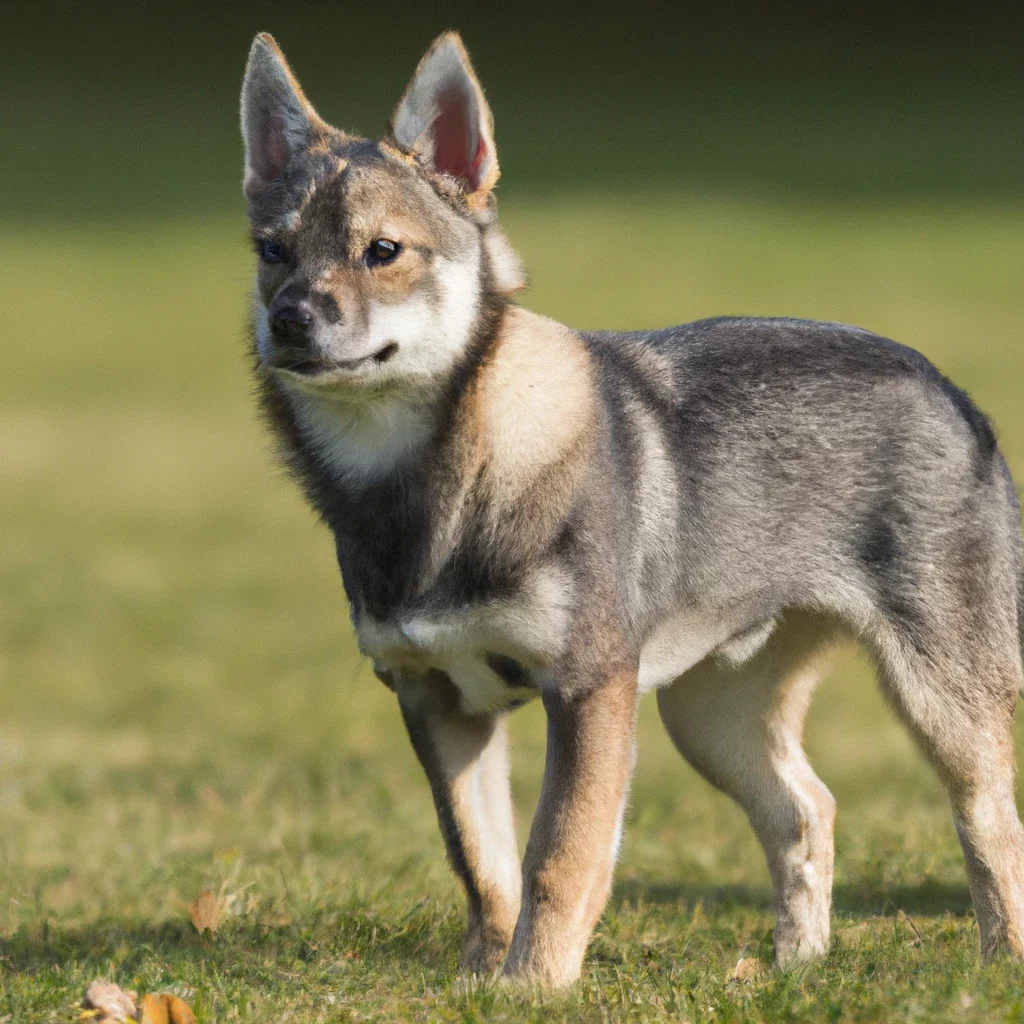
525,510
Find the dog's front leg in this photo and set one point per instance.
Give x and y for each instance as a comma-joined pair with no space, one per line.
466,761
570,857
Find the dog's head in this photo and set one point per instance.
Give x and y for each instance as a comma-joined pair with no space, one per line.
376,259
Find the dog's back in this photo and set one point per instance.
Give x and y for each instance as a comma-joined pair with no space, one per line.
779,463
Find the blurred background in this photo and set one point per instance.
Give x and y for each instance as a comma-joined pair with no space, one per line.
179,690
116,111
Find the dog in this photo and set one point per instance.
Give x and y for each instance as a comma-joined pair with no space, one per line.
525,510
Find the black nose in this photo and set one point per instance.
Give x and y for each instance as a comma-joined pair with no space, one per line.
290,322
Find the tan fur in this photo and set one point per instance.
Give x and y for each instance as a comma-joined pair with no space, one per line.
527,415
534,399
384,206
570,856
741,728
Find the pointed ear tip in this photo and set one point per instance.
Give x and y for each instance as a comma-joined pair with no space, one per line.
448,40
264,46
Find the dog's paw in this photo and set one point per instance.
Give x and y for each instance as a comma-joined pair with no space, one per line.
483,951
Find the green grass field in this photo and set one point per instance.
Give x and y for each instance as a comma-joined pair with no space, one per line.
183,708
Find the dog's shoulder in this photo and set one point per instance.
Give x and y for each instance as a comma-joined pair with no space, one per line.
532,398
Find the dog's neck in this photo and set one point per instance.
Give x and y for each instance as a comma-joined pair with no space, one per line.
520,394
508,423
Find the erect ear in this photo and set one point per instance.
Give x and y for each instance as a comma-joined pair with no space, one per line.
444,118
277,119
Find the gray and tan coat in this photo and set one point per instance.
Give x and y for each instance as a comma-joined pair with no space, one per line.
525,510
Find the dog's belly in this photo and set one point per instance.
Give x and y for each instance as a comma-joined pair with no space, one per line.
686,637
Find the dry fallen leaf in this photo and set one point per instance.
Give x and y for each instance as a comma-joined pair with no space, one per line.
154,1011
207,911
746,970
107,1003
166,1009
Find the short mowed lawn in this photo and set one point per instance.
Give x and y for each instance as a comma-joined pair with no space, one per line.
182,708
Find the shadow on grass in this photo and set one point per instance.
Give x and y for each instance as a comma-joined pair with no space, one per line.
32,949
860,899
119,949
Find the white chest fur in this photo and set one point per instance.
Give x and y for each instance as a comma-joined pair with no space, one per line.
497,653
419,644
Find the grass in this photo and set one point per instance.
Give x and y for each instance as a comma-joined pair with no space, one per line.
183,709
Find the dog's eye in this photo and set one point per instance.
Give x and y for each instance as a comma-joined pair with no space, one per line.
271,252
382,250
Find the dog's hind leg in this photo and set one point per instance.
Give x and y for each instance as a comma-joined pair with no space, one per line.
741,728
958,701
466,761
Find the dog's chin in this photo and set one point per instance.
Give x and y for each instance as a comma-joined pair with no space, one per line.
325,375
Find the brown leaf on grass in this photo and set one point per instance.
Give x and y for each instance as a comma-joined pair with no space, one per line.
107,1003
166,1009
207,912
745,972
154,1011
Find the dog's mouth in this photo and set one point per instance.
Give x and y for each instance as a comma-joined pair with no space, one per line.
311,368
